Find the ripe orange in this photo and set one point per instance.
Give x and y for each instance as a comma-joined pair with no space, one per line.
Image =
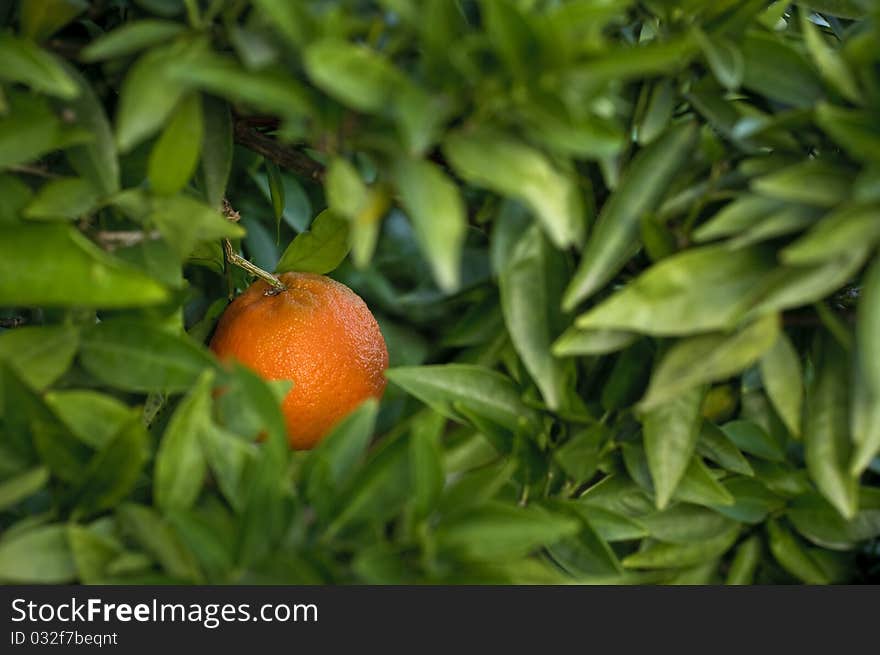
317,333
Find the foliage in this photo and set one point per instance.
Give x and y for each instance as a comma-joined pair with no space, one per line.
623,254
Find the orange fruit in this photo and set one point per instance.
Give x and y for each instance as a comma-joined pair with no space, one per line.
317,333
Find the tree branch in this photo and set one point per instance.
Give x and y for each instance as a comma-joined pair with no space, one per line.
290,158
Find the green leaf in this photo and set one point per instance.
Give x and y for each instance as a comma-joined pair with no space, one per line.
839,8
849,228
16,195
29,129
334,460
138,356
812,182
529,305
670,433
180,463
272,90
831,65
94,160
23,485
794,286
855,130
826,437
751,501
321,248
92,551
40,19
699,486
737,216
664,555
698,290
175,155
587,552
511,168
615,236
776,70
484,392
715,445
783,381
149,95
54,265
435,207
27,63
822,524
497,531
40,555
864,423
753,439
591,342
228,457
63,198
868,328
745,562
353,74
93,418
182,220
113,472
724,59
217,149
39,354
156,535
378,492
683,524
130,38
426,463
792,556
276,192
708,358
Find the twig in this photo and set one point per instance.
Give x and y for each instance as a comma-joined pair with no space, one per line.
123,238
290,158
33,170
12,322
232,257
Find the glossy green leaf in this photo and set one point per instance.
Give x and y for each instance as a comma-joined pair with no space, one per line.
321,248
175,155
855,130
783,380
511,168
529,305
64,198
616,232
832,67
699,290
812,182
498,531
42,18
793,557
778,71
94,418
138,356
844,230
481,390
155,534
716,446
39,354
663,555
591,342
19,487
826,437
27,63
180,463
426,462
745,562
54,265
671,432
435,207
217,149
130,38
40,555
708,358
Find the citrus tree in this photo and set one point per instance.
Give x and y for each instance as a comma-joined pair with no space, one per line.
623,255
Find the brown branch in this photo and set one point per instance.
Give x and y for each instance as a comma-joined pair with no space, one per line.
287,157
122,238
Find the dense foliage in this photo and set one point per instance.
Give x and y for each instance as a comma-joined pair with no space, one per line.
623,254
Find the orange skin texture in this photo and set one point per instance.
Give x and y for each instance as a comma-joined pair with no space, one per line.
317,333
